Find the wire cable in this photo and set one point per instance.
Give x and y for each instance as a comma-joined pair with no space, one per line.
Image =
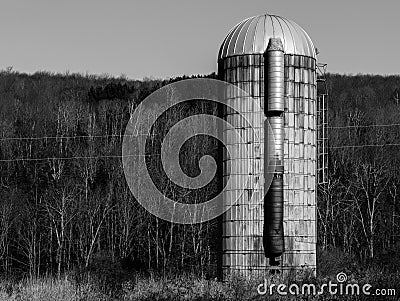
363,126
76,157
71,137
146,134
364,145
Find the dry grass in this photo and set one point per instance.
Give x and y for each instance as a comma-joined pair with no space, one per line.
48,289
187,287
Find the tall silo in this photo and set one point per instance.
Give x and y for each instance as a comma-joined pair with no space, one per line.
274,60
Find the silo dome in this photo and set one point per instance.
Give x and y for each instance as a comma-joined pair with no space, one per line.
252,36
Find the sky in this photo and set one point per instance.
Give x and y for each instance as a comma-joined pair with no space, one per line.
162,39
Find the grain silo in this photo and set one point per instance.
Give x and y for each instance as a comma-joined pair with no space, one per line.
274,60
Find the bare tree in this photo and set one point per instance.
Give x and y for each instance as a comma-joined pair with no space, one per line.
61,209
370,183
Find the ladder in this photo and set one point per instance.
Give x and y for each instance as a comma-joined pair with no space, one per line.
322,125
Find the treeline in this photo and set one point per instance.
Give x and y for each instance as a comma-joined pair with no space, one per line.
358,209
64,201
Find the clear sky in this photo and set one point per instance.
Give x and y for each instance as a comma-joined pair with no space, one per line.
170,38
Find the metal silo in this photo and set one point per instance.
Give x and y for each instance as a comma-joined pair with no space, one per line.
274,60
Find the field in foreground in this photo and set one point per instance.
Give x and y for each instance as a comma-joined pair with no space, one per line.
178,288
192,287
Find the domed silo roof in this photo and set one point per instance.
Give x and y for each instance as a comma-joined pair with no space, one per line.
252,36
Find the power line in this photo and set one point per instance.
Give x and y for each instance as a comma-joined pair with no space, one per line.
364,145
71,137
154,155
146,134
363,126
76,157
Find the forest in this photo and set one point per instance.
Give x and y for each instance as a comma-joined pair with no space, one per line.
65,206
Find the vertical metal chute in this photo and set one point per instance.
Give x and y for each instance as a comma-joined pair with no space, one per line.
273,238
